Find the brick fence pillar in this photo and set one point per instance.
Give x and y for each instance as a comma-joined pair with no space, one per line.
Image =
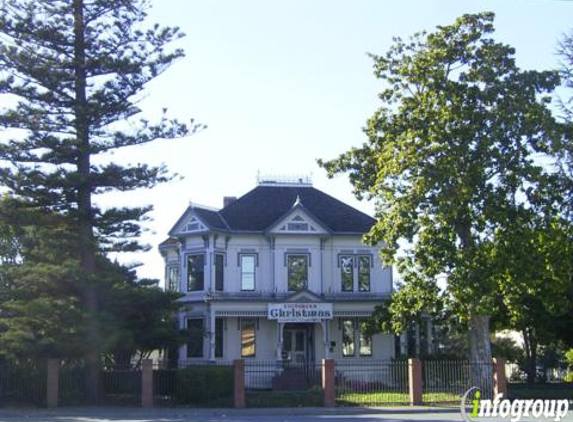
499,380
415,381
52,382
147,383
328,385
239,383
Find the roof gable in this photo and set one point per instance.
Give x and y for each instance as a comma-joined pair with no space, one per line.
298,220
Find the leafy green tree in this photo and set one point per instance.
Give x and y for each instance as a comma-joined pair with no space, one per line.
72,73
454,155
40,304
535,273
416,297
139,317
40,312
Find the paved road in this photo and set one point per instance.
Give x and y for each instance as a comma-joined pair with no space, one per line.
231,415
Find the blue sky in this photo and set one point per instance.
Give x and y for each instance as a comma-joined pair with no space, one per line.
282,83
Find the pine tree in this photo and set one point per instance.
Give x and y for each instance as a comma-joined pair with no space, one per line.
72,72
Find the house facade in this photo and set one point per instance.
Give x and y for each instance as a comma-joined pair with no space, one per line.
280,273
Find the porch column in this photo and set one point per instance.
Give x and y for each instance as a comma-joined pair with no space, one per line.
326,338
280,327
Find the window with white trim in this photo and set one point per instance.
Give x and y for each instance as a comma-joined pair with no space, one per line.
195,338
297,271
355,271
347,337
172,277
364,340
248,262
248,337
364,265
195,272
347,272
219,271
355,340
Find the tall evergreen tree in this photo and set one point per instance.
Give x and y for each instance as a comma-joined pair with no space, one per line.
71,73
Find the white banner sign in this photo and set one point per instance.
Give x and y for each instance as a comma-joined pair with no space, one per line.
299,312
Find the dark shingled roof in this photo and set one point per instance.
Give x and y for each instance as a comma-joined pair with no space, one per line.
211,218
261,207
169,242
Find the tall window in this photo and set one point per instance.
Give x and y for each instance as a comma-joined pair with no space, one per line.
195,272
219,271
347,337
347,272
172,277
364,273
219,327
248,338
195,339
248,262
297,266
365,341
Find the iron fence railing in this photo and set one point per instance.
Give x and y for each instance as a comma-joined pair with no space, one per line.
281,375
120,385
358,382
371,382
446,381
72,390
22,384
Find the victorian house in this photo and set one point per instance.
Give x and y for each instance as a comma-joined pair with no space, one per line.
280,273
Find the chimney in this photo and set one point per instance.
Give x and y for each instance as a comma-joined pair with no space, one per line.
228,200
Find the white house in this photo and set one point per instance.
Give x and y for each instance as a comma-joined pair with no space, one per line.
280,273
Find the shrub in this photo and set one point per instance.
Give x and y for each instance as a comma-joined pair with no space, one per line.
569,357
202,384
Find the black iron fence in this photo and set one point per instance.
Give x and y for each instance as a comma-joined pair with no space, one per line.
446,381
22,384
271,383
371,382
120,385
366,382
281,375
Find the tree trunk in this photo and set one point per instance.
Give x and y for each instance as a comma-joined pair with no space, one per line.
530,346
85,213
480,354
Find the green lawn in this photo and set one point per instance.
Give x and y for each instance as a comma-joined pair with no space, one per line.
389,398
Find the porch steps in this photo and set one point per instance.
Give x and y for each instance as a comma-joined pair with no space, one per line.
294,379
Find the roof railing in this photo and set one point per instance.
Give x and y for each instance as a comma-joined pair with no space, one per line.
284,180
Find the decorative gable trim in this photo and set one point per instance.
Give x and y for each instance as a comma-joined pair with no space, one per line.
193,225
188,223
298,221
303,296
